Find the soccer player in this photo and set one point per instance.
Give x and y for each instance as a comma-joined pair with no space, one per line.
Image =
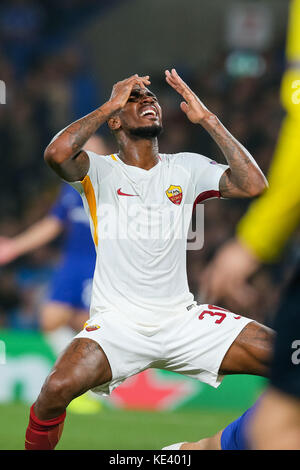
142,313
261,237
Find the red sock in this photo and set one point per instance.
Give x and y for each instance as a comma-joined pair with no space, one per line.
43,435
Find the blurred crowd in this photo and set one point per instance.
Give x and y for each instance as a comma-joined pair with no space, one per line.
50,83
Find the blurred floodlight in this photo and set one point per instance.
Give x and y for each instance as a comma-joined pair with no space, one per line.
245,64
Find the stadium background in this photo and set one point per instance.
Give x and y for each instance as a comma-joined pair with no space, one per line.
59,60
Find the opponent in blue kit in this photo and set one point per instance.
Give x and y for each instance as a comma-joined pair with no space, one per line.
72,280
66,307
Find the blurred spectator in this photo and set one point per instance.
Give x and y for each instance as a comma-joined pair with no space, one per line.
21,23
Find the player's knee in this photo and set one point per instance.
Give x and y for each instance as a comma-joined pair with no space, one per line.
57,392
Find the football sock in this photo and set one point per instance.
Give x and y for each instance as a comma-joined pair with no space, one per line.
43,435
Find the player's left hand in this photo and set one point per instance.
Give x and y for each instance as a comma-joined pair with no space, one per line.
192,106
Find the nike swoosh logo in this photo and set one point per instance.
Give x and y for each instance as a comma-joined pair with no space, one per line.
124,194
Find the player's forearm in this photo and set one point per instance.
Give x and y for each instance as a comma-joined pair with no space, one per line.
69,142
37,235
244,178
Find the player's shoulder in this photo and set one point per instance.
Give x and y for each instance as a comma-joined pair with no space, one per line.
98,159
102,164
187,160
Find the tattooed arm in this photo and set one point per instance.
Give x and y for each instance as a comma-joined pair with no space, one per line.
64,154
243,177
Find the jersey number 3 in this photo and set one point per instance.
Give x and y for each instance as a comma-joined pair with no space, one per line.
217,311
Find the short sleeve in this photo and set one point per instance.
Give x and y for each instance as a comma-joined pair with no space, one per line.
89,189
206,174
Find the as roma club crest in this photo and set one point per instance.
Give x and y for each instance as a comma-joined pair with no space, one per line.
174,193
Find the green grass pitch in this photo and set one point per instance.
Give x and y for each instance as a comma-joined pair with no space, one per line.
118,429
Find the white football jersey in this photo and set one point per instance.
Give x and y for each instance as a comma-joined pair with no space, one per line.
139,221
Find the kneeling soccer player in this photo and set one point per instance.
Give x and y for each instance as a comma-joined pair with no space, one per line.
142,313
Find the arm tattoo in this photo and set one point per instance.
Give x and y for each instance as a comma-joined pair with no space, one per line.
72,162
243,173
80,131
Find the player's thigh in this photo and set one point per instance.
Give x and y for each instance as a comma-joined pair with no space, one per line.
198,340
251,351
83,365
54,315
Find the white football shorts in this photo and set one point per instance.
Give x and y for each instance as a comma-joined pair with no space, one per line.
192,343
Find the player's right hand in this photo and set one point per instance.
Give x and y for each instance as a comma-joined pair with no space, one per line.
121,90
8,251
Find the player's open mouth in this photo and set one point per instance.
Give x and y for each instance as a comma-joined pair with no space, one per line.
149,112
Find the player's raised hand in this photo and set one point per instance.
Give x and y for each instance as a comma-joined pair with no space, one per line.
192,106
122,90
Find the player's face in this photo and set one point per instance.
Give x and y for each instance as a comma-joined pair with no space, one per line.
141,110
